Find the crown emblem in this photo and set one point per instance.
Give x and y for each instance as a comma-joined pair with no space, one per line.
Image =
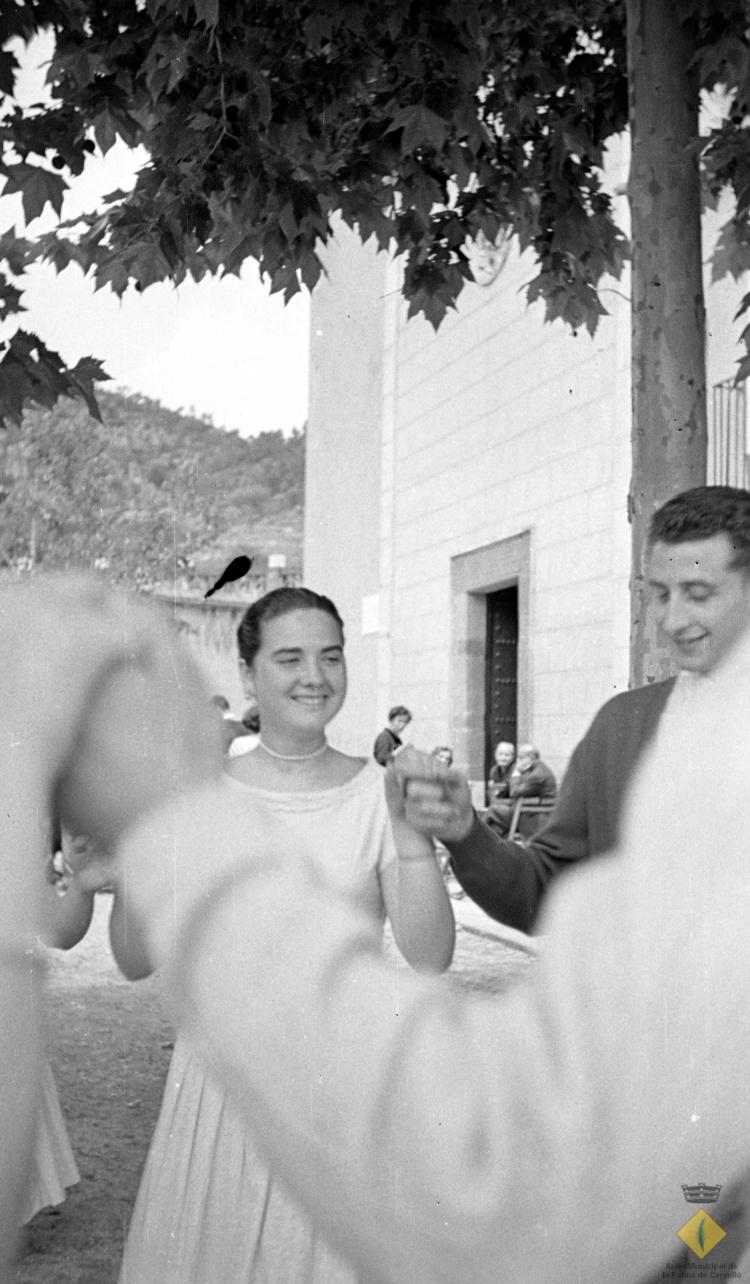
701,1194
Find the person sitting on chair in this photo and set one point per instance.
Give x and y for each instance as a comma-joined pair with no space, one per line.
498,785
529,778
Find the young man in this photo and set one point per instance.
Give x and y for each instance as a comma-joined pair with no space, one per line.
389,739
699,576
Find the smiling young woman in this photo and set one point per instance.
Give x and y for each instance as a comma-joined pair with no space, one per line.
291,645
208,1207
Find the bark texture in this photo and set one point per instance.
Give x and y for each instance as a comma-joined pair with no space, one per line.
669,435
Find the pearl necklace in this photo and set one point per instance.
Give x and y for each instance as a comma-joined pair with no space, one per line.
294,757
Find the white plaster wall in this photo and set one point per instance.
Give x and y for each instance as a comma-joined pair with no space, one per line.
505,424
495,425
343,466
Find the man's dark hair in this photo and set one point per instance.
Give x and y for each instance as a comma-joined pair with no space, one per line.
703,512
399,711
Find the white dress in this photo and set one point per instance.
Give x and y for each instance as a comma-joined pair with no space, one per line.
208,1210
53,1165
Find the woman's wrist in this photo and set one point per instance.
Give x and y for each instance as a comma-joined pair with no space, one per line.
412,846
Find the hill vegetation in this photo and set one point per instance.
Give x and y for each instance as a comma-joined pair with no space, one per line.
150,496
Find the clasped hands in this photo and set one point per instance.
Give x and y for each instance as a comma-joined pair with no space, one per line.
434,799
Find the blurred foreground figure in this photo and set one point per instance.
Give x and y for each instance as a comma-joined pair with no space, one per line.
541,1136
68,643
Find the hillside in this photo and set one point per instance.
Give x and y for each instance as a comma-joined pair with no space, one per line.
150,496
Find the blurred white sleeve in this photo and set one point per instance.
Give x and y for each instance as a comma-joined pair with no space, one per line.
541,1135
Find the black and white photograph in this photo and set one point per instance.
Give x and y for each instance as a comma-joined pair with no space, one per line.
375,636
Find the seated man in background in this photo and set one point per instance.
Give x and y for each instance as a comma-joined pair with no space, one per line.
529,777
498,785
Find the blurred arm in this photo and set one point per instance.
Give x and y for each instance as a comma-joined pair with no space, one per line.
435,1138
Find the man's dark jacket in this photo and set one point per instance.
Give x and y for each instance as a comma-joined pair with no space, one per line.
508,881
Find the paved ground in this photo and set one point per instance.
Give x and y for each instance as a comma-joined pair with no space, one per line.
110,1044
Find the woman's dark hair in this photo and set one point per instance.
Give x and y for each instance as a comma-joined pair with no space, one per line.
279,601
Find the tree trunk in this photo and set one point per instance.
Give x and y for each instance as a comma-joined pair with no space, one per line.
669,436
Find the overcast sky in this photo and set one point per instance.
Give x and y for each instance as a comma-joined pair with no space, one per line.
225,348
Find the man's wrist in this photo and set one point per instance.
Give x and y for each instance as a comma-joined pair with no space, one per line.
471,823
